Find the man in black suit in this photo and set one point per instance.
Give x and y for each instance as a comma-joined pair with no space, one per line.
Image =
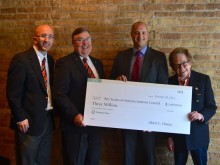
203,108
29,97
152,68
81,143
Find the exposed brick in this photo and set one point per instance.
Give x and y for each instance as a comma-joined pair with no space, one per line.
195,7
39,16
185,14
75,2
43,9
21,16
213,6
124,21
115,2
217,13
43,3
126,8
22,3
170,36
147,7
68,9
162,14
61,15
6,16
89,8
204,14
134,1
8,10
25,10
95,2
190,23
173,7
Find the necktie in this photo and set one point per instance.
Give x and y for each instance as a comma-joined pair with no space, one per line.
90,74
136,67
43,70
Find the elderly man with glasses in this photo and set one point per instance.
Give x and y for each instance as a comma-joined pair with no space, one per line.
81,143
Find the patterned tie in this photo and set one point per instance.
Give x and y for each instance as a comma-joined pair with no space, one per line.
88,69
136,67
43,70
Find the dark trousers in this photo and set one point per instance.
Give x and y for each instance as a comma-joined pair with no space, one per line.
199,156
81,148
4,161
139,144
35,150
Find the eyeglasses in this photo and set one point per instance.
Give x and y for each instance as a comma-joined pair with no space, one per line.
81,40
184,64
44,36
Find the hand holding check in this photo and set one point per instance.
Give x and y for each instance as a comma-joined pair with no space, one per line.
78,120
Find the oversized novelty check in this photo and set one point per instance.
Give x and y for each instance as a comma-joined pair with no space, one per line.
138,106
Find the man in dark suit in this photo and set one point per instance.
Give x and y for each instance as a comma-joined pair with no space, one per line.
152,68
81,143
203,108
29,97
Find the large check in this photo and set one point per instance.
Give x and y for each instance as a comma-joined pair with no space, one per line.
138,106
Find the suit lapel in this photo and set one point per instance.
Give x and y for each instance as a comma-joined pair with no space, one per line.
51,68
176,81
127,64
194,84
191,80
36,66
147,62
97,67
78,61
79,64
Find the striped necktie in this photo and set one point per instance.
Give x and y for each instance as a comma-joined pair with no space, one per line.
90,74
44,72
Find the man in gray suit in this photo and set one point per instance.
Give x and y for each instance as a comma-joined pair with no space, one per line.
141,64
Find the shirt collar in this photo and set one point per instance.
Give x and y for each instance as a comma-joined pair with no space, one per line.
39,54
184,82
143,51
81,57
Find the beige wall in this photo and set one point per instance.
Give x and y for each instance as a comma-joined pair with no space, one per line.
194,24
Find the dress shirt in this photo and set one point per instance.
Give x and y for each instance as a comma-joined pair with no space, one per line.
91,66
40,57
134,56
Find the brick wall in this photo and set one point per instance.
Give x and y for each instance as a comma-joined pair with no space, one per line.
194,24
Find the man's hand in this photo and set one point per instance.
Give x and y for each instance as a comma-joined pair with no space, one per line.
122,78
170,144
23,126
192,116
78,120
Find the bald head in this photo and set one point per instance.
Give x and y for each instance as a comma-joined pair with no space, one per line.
41,28
43,38
139,23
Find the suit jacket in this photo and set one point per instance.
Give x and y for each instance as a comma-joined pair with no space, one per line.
26,92
70,88
154,69
203,102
